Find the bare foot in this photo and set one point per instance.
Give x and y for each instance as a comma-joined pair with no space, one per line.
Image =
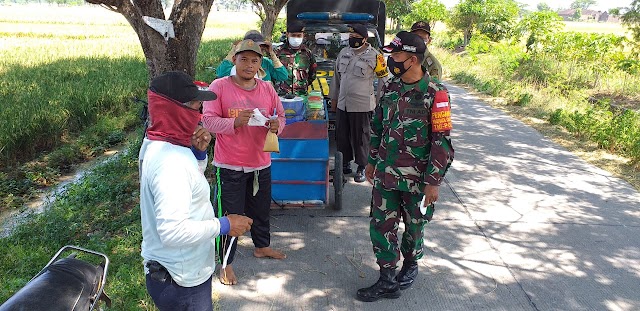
269,253
227,276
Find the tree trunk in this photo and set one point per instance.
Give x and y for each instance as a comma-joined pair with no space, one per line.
270,17
268,11
467,37
179,53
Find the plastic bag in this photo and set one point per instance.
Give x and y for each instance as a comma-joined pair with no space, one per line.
271,143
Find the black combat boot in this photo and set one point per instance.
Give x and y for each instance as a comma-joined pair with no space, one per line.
407,274
385,287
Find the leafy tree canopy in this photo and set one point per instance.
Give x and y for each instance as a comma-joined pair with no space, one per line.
631,19
543,6
426,10
493,18
537,26
582,4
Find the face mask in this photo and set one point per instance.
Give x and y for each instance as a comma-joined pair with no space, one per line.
295,42
356,42
397,68
171,121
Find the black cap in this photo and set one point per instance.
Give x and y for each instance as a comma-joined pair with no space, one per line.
421,25
179,86
359,29
406,42
256,36
295,26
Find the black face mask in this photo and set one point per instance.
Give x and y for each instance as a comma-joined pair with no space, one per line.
356,42
397,68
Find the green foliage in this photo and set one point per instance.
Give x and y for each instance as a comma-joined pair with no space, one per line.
100,213
480,44
537,26
465,17
543,6
510,57
617,131
210,55
582,4
631,19
397,9
577,14
65,96
449,40
430,11
499,18
630,66
493,18
555,82
278,28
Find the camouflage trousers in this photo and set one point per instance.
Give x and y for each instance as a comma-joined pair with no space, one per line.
387,209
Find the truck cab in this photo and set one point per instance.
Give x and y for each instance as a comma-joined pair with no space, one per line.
326,32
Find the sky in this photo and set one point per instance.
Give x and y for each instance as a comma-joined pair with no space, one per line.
600,5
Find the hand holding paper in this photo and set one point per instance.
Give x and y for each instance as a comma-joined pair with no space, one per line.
257,119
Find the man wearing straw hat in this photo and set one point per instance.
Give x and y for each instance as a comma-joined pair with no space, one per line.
243,168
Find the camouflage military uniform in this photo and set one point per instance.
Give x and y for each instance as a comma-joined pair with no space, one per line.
410,148
433,65
301,65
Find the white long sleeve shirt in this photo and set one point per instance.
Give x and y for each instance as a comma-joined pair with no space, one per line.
178,222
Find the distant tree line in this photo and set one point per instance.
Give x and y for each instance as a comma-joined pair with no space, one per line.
60,2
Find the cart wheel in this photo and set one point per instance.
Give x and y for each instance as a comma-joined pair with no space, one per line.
338,181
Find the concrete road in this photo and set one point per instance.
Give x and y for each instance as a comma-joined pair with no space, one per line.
522,224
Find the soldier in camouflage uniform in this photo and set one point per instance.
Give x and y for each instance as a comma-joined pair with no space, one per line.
430,62
410,152
299,61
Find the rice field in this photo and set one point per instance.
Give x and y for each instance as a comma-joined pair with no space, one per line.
64,68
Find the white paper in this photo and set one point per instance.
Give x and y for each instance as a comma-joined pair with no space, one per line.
164,27
423,208
257,119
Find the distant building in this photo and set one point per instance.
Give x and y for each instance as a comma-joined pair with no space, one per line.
588,15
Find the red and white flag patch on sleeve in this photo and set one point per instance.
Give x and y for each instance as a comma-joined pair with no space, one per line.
441,113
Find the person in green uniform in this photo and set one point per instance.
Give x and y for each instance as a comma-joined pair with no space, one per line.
410,152
299,61
432,64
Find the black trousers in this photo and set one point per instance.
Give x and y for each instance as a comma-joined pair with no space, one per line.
353,132
237,198
169,296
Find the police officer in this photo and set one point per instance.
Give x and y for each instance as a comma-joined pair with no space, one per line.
410,152
422,29
352,90
299,61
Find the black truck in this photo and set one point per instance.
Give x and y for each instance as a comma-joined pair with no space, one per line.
326,31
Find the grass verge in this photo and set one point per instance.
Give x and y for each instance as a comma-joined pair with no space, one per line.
100,213
535,106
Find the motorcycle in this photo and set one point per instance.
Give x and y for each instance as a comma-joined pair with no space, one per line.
64,284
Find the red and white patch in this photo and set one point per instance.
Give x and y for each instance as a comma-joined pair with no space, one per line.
441,113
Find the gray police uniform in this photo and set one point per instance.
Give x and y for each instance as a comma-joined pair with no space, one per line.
352,89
